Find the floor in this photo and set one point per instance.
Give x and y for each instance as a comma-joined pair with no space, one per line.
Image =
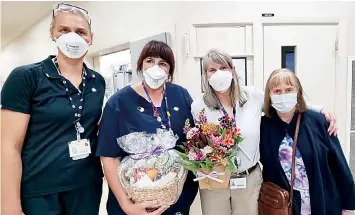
195,209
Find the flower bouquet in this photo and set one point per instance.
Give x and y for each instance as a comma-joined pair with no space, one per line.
152,172
210,150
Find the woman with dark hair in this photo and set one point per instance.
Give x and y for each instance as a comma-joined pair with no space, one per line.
143,107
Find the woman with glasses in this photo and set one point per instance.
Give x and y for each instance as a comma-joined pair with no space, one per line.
50,112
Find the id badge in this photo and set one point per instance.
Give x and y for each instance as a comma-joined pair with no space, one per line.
79,149
238,183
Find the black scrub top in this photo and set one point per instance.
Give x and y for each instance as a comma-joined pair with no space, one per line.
126,112
38,90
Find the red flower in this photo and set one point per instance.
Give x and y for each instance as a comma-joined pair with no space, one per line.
236,132
228,141
228,132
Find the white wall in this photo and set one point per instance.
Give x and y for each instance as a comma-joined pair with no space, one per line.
351,30
32,46
116,23
113,23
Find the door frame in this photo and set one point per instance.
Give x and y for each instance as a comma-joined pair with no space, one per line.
348,106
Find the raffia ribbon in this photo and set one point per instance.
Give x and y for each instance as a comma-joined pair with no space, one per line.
212,175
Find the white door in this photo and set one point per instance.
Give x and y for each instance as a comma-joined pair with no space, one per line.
351,113
314,58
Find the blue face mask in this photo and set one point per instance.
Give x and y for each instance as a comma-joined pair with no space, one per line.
285,102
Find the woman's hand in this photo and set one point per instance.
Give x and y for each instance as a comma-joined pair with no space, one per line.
12,210
141,209
159,211
333,128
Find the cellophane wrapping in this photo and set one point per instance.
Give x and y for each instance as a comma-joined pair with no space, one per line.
152,163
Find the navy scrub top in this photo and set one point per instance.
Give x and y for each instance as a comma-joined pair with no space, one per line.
123,115
38,90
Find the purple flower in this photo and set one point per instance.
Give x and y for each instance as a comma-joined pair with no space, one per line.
226,122
187,146
286,153
191,133
202,118
223,149
192,155
200,156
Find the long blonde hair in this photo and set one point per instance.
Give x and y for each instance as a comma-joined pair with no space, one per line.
276,78
236,92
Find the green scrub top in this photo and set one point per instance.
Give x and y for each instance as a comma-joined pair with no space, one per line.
39,91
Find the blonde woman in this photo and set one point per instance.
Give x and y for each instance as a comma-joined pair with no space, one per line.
224,95
323,182
50,113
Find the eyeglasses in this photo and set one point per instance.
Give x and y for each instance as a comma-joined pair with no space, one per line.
62,7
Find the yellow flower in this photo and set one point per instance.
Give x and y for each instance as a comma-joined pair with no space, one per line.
223,161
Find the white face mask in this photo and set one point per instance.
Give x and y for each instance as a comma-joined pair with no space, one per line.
221,80
285,102
72,45
155,77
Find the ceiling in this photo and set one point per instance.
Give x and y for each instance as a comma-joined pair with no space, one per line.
18,16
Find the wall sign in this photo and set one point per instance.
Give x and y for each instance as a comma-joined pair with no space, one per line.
267,15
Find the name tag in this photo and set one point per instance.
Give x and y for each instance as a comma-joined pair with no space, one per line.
79,149
238,183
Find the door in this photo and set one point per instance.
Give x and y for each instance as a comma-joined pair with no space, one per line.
311,51
351,118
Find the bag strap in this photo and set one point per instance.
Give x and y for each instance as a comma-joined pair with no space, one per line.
294,162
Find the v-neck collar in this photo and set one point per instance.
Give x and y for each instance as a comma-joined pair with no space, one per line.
51,71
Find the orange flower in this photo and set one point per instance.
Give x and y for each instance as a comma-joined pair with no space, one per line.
218,158
208,128
228,141
215,156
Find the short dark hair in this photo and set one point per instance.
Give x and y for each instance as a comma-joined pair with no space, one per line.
157,49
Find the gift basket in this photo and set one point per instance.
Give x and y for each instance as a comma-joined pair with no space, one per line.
152,172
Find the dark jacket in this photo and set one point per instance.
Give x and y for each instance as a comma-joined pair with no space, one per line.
331,183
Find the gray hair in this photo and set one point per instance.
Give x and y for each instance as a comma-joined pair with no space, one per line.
237,94
65,8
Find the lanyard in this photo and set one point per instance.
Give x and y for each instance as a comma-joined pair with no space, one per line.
78,107
155,109
224,110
